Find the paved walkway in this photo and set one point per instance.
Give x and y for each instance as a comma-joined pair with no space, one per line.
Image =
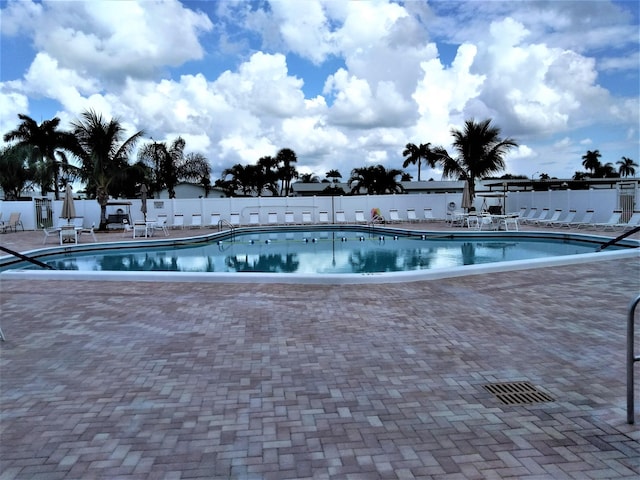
172,380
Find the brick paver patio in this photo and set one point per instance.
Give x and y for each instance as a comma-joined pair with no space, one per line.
269,381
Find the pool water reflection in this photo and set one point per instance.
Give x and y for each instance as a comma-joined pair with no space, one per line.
317,252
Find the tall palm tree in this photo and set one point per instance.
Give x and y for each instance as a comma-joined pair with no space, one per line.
375,180
242,179
591,160
170,165
627,167
48,142
286,158
480,152
416,153
104,154
266,175
334,175
309,178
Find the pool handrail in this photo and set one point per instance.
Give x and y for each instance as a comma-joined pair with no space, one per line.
26,258
631,359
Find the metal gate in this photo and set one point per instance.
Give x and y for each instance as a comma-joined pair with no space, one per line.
627,199
44,212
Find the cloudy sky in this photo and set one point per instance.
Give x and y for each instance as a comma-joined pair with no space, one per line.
343,83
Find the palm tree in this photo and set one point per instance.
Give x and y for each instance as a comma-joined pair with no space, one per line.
375,180
266,175
47,142
415,154
606,171
286,158
627,167
591,160
169,165
242,178
480,152
104,154
309,178
334,175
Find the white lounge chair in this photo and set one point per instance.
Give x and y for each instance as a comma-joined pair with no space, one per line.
196,220
585,221
234,219
566,221
178,221
612,223
360,217
428,215
531,216
306,218
486,222
289,218
411,215
214,219
323,217
633,222
272,218
543,215
254,219
394,217
340,218
553,218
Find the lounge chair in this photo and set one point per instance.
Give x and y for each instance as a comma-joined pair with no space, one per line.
543,215
428,215
612,223
585,221
553,218
486,222
394,217
178,221
306,218
411,215
272,218
360,217
88,231
323,217
196,220
566,221
633,222
254,219
13,222
289,218
530,216
214,219
340,218
234,219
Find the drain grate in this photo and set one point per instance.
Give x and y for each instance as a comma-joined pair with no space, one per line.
517,393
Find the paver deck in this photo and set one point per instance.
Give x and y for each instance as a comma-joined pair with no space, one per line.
269,381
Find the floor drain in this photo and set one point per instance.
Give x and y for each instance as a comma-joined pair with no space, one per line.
517,393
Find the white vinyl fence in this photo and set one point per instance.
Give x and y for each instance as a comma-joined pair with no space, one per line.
603,201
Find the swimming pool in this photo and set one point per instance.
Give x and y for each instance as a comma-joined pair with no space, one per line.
305,252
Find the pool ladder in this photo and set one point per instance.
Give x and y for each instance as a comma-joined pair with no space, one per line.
222,222
631,358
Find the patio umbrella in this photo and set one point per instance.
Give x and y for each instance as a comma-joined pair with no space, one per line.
467,201
68,208
143,198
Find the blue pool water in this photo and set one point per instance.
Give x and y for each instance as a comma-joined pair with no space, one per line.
317,252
